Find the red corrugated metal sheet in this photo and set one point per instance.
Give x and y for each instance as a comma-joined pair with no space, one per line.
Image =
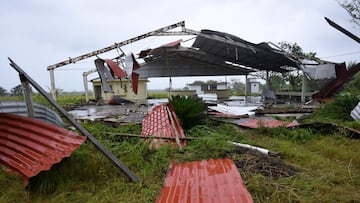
256,123
204,181
157,123
29,146
135,76
114,67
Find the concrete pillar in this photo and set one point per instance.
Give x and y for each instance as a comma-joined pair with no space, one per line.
52,84
267,80
303,89
86,87
246,88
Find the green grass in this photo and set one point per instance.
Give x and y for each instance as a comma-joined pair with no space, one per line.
157,94
327,167
63,99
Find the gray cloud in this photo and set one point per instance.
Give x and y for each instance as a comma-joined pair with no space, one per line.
38,33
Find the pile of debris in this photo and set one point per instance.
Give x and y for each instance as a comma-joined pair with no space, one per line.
252,161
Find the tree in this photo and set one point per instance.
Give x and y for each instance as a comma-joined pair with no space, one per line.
16,91
3,92
352,7
294,78
198,82
211,82
296,50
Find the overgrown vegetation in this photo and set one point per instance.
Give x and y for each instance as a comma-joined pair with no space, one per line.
311,167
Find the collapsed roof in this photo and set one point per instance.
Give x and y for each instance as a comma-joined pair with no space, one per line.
213,53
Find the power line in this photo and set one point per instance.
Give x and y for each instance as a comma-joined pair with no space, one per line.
344,54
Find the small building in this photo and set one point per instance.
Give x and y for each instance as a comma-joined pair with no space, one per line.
220,89
121,88
253,86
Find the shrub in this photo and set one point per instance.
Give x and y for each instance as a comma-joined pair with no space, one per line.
191,110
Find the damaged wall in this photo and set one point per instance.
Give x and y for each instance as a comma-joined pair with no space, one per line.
123,89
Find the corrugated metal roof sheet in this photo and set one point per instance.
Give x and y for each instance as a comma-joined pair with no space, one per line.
114,67
355,113
236,50
185,61
158,123
204,181
41,112
29,146
256,123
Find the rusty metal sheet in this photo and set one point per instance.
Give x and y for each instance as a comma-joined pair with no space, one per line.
204,181
256,123
29,146
158,123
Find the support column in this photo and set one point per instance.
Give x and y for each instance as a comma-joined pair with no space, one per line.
27,96
246,89
86,87
303,89
52,84
267,80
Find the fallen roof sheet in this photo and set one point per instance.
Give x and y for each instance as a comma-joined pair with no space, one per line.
29,146
204,181
268,123
41,112
235,110
162,122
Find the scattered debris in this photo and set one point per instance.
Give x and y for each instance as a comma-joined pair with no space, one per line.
265,122
29,146
330,128
204,181
259,149
283,111
233,111
111,114
163,122
209,98
329,77
117,100
253,161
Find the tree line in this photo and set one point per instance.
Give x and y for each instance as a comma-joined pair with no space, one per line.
15,91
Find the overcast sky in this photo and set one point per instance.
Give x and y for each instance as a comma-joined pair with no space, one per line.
38,33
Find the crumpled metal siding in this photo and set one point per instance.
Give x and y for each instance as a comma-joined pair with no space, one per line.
204,181
29,146
41,112
157,123
355,113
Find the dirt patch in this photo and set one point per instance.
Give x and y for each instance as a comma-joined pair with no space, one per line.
252,161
